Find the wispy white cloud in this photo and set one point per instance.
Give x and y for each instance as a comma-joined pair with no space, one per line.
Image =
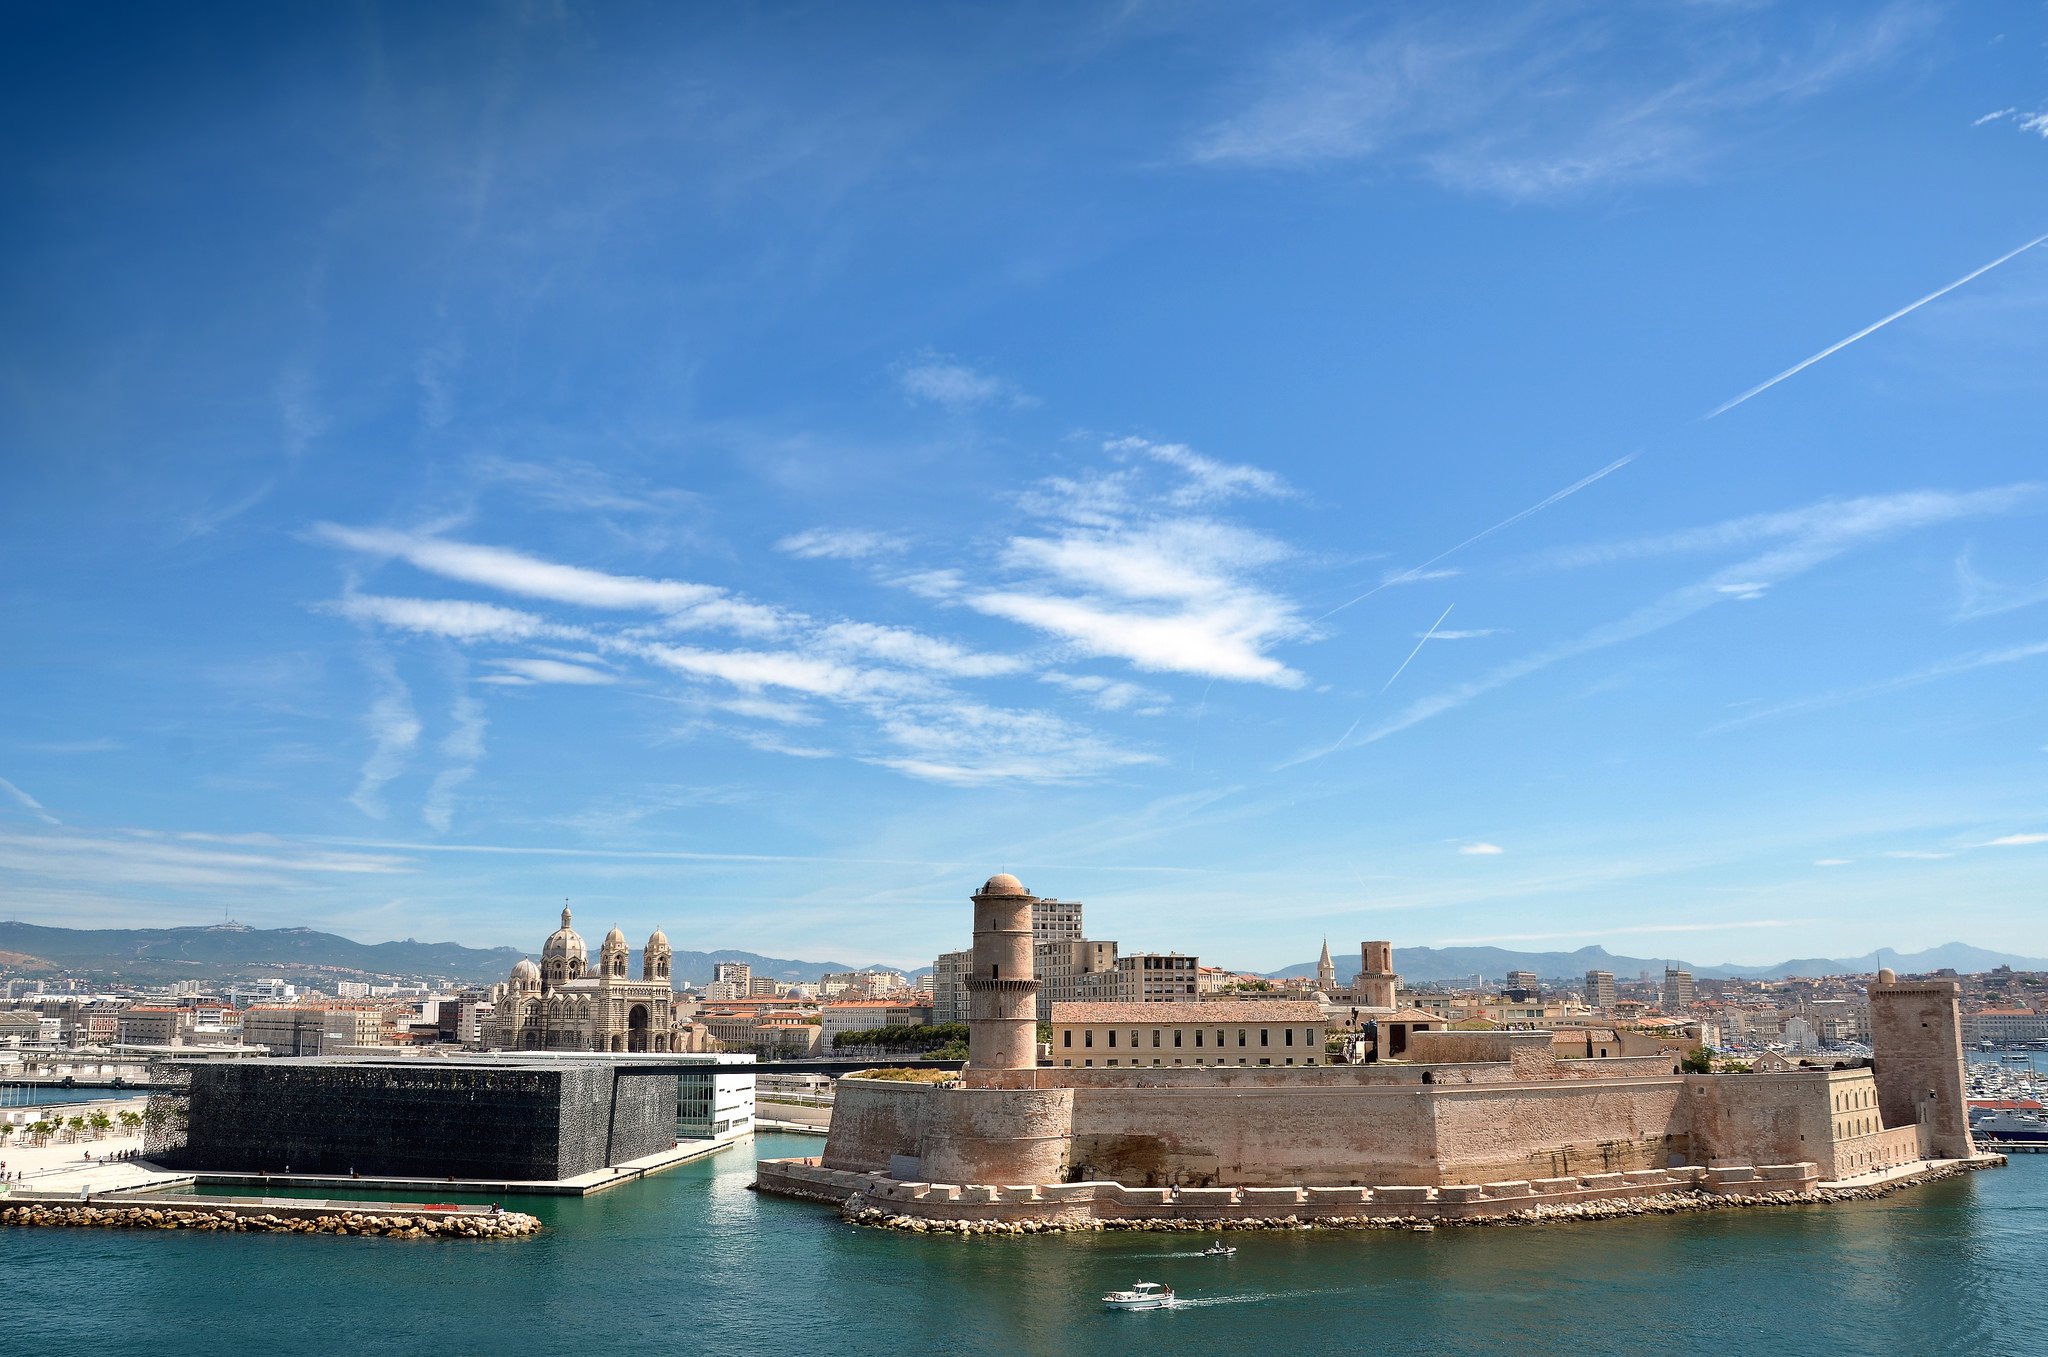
28,803
1824,532
1123,570
515,572
1208,479
915,650
455,619
1982,597
1832,862
969,744
463,747
1469,634
1528,104
1948,668
1825,520
394,729
1405,576
938,379
1109,694
2017,840
154,861
1482,850
516,672
575,487
839,544
1993,117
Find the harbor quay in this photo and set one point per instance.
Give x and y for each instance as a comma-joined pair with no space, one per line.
1463,1124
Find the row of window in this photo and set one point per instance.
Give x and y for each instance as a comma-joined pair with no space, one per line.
1308,1037
1220,1060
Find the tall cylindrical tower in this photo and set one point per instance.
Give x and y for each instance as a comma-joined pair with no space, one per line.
1002,992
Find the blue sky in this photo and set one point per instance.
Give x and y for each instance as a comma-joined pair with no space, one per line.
759,470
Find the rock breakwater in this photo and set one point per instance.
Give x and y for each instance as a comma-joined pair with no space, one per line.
860,1211
387,1225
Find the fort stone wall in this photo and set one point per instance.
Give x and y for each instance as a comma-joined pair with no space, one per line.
875,1121
1558,1128
1234,1135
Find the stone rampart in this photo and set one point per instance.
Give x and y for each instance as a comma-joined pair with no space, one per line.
1557,1128
875,1121
1069,1204
997,1135
1250,1136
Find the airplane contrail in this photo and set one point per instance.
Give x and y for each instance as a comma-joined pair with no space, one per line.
1507,522
1839,345
1411,657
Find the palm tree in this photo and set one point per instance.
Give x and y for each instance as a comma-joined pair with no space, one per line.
41,1131
130,1120
77,1125
100,1123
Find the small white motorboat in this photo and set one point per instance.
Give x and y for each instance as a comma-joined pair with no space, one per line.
1141,1296
1220,1250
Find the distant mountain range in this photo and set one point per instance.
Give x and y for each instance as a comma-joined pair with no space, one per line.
1424,965
232,951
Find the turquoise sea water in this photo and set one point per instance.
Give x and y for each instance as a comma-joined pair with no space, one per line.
691,1261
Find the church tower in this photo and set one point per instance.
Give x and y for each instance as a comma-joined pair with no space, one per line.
1002,993
1326,971
1373,986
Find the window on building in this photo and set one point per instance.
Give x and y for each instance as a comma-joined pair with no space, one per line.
1112,1064
1198,1036
1263,1060
1067,1037
1088,1039
1112,1037
1176,1036
1290,1040
1240,1036
1264,1034
1155,1036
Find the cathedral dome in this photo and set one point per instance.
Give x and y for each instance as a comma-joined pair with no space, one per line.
565,942
657,941
615,938
1002,883
525,971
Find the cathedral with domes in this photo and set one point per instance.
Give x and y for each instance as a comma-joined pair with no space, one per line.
566,1004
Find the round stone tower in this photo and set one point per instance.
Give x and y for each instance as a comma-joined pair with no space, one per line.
1002,992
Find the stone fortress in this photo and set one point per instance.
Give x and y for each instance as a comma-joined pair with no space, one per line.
564,1004
1460,1123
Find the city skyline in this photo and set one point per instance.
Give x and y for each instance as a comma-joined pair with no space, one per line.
1262,475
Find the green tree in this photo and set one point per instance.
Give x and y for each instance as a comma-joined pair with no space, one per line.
77,1126
1699,1060
130,1120
41,1131
100,1123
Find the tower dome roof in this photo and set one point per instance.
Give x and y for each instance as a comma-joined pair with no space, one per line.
1002,883
657,941
565,941
525,970
615,938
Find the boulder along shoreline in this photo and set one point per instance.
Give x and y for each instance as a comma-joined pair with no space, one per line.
857,1211
510,1225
